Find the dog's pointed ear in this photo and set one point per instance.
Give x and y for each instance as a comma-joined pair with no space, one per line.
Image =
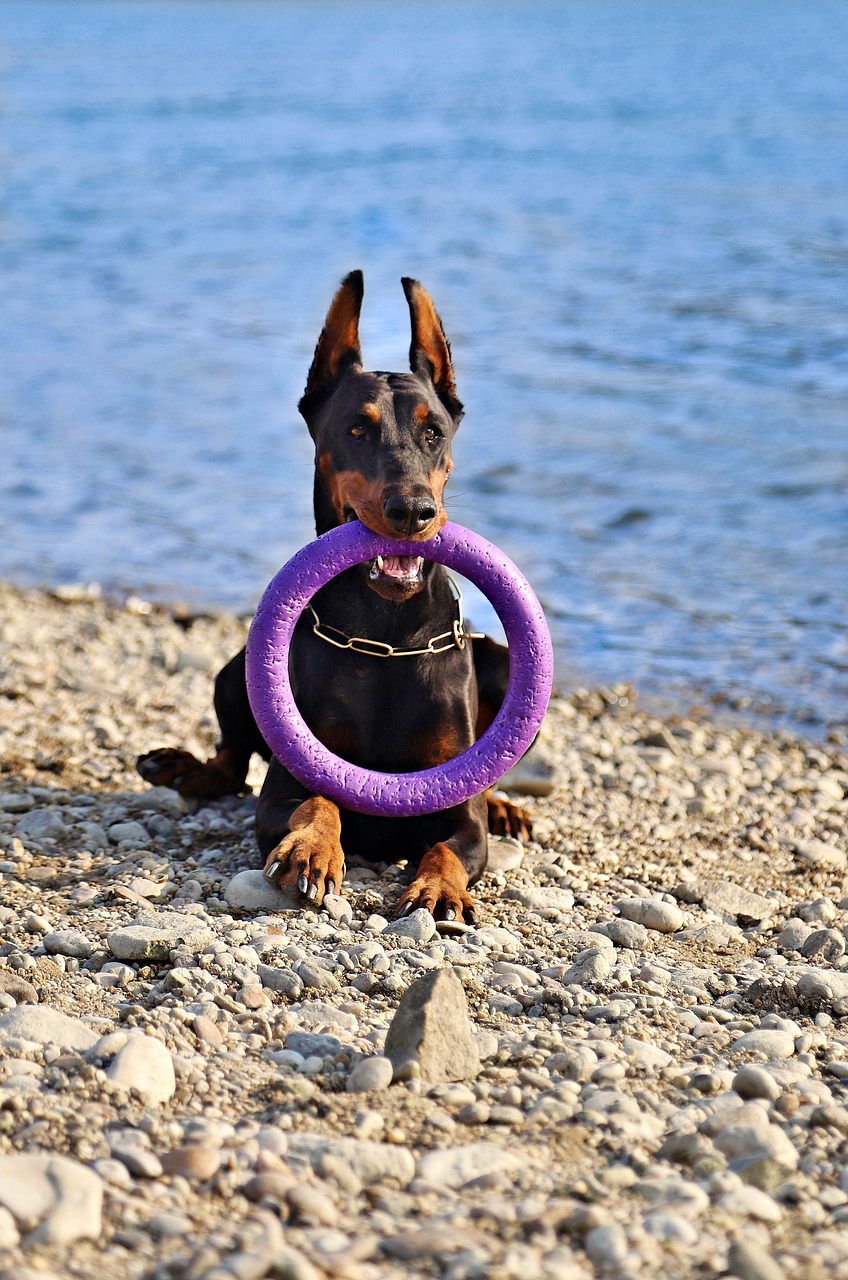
429,352
338,347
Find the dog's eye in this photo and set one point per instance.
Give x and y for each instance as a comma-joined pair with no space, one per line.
432,435
358,432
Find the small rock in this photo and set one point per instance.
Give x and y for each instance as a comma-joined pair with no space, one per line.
726,899
337,908
544,899
370,1074
316,977
21,991
154,936
830,1116
591,965
47,1026
606,1246
793,935
310,1045
747,1260
755,1082
653,913
16,803
772,1044
430,1034
207,1031
762,1155
53,1199
750,1202
418,926
145,1065
273,1184
370,1162
505,853
456,1166
131,832
250,891
42,824
284,981
820,855
624,933
140,1161
312,1207
535,774
824,944
68,942
195,1164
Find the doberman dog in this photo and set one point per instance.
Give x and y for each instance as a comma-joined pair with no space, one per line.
383,456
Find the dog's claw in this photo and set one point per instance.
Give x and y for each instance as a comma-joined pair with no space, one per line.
331,887
312,892
303,884
272,873
450,914
407,909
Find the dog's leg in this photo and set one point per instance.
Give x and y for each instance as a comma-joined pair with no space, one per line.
449,867
225,773
299,836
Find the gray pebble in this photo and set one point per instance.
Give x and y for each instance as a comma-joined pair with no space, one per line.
145,1066
418,926
772,1044
370,1074
42,824
824,944
68,942
755,1082
624,933
747,1260
653,913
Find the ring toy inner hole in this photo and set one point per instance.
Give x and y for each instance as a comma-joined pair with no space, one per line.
426,790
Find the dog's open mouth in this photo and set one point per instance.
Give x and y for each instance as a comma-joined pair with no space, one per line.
404,570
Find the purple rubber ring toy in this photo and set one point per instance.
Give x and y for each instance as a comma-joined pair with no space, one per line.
427,790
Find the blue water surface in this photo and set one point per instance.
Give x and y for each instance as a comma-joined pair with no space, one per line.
633,216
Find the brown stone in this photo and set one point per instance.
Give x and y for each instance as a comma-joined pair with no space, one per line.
195,1164
17,988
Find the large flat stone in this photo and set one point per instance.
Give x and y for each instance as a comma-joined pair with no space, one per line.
458,1165
250,891
44,1025
372,1162
53,1200
155,935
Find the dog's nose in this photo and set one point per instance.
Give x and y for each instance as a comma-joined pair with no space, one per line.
409,514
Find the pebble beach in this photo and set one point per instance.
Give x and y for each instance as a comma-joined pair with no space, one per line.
634,1065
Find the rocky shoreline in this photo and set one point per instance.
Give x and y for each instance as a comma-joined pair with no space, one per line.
195,1081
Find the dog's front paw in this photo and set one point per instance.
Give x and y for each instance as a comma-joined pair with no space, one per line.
310,857
440,888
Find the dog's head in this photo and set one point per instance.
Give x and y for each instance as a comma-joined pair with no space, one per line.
382,440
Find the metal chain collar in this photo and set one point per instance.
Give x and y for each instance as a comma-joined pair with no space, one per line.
455,638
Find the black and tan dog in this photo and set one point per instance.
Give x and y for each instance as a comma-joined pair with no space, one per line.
383,456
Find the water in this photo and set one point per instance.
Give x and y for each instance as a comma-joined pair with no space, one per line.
633,217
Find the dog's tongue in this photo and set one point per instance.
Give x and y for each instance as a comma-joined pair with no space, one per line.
400,566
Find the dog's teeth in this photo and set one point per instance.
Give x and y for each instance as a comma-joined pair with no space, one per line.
379,564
